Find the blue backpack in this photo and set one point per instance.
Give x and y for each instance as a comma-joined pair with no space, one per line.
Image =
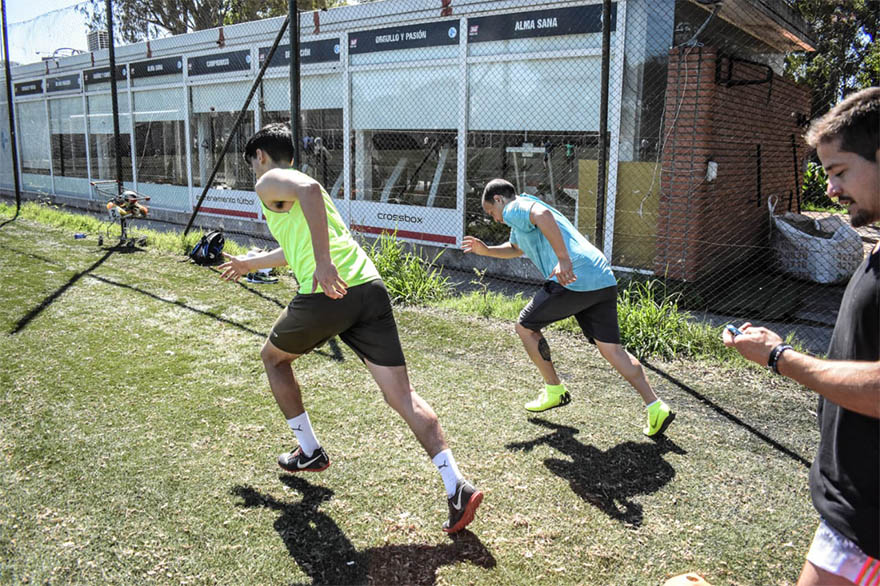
209,249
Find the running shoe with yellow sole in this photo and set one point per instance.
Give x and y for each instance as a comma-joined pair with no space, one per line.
659,418
548,400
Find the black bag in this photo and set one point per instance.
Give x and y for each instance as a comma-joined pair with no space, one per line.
209,249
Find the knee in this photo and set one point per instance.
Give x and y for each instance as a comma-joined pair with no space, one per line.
401,400
615,353
524,332
272,357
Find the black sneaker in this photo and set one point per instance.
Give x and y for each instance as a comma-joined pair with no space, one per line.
297,461
462,506
260,278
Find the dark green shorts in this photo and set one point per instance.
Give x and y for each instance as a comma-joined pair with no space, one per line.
363,319
595,311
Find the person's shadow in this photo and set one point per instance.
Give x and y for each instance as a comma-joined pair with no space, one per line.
607,479
324,552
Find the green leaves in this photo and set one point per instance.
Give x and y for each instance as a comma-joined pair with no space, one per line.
846,56
652,325
410,279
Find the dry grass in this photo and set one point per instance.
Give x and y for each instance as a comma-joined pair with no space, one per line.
138,439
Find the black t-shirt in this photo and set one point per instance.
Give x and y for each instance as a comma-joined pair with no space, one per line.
845,476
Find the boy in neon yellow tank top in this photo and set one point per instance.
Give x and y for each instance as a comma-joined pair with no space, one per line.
341,293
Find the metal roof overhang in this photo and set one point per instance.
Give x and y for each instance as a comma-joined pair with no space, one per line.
774,22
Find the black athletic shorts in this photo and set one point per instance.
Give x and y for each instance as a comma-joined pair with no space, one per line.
595,311
363,319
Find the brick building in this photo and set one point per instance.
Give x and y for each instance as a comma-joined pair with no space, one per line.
734,138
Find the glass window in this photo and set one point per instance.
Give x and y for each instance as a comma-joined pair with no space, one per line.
6,177
543,163
558,94
404,135
538,153
101,142
159,135
68,138
412,98
411,167
33,137
532,45
318,92
321,102
322,145
649,36
214,109
322,148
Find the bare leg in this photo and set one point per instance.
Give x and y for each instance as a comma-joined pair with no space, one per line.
539,351
629,367
814,576
400,395
282,380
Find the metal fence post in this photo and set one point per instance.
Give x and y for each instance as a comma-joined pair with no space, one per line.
13,145
113,96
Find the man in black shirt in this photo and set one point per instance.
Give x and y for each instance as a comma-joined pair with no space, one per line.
845,476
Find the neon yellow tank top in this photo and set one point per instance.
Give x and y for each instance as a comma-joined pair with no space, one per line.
291,231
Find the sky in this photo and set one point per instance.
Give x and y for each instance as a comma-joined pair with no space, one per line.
37,29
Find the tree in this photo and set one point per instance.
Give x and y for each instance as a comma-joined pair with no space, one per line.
137,20
847,55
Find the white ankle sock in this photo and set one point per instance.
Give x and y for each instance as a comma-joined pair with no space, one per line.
305,435
448,469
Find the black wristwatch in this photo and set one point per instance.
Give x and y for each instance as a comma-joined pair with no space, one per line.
773,361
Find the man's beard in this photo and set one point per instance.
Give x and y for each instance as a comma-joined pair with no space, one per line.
861,218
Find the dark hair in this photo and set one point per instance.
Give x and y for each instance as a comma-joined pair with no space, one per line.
500,187
275,140
855,120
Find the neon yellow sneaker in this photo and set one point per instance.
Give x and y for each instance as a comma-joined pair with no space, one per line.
659,418
548,399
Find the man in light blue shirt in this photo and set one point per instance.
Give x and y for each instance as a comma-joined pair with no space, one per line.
578,282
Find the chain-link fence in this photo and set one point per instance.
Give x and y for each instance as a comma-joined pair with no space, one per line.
408,107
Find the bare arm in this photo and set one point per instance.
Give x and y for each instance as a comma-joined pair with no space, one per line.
851,384
854,385
543,218
236,267
276,188
267,260
477,246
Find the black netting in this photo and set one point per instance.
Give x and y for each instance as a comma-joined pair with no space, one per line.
408,108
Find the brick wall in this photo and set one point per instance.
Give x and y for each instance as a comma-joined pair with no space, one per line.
747,130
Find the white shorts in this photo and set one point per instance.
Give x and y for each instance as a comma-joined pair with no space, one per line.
836,554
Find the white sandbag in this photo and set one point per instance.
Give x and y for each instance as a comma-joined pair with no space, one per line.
825,250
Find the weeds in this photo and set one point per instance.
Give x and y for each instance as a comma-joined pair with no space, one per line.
652,325
485,308
410,279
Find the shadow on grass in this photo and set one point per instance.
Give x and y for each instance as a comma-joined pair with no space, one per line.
335,352
46,302
325,553
730,416
23,322
10,220
251,290
608,479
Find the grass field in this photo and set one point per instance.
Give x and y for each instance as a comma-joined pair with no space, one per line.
138,440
